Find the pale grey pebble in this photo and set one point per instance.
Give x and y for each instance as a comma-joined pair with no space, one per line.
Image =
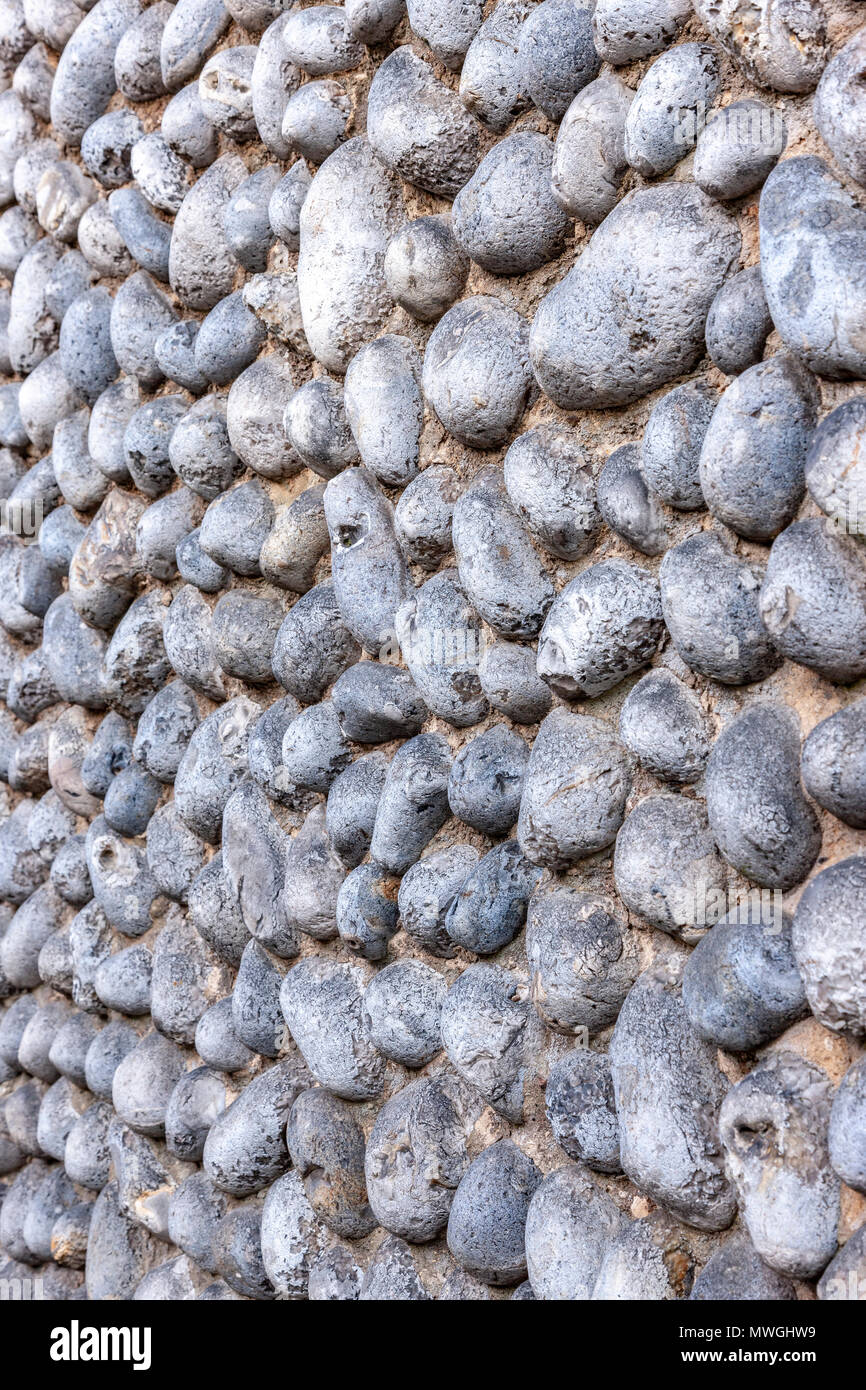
486,1224
838,108
186,129
583,960
355,203
175,353
506,218
580,1108
738,147
139,314
490,907
666,867
419,127
603,626
245,218
163,527
414,802
217,1042
369,573
773,1125
197,568
558,56
101,243
215,912
372,21
255,410
109,418
509,679
18,233
416,1156
425,268
265,748
402,1006
663,723
316,119
320,41
828,945
122,982
650,1260
137,68
835,476
486,780
785,56
477,375
321,1001
366,911
426,892
741,985
662,124
91,49
201,265
235,526
72,277
848,1128
375,703
760,819
225,91
314,872
444,669
628,505
162,176
754,451
174,853
423,515
353,799
392,1275
712,610
488,1032
739,322
807,218
446,26
245,1149
627,29
548,479
813,601
669,1146
146,443
317,427
214,763
285,203
313,646
275,300
165,726
256,1015
736,1273
491,85
228,340
315,750
833,764
334,1276
574,794
200,451
569,1226
385,408
275,77
83,485
674,247
106,147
